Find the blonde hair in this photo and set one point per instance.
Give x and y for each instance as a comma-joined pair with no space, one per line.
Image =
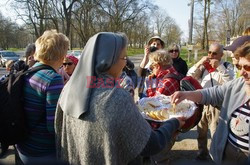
246,32
174,46
9,64
160,57
51,46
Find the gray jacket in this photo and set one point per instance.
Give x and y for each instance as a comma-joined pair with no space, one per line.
229,96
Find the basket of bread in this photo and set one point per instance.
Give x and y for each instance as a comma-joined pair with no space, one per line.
158,109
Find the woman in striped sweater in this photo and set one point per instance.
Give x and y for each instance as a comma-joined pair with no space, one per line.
41,93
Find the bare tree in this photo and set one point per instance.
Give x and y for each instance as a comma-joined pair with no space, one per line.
34,13
86,20
12,34
138,30
121,11
67,10
172,34
232,15
225,16
162,21
206,14
166,27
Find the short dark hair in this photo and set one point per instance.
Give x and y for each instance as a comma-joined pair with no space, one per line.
29,49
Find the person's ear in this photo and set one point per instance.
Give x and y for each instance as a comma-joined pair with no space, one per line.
158,66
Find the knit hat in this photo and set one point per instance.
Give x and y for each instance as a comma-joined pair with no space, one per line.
73,59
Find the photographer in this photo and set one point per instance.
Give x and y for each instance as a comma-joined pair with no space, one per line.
153,44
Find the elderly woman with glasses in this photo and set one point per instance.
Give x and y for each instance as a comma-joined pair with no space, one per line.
230,142
179,64
69,64
68,67
161,65
100,123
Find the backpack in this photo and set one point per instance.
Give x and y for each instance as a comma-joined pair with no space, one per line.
132,74
129,69
13,127
188,83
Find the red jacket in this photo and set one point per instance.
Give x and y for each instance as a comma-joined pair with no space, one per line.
166,86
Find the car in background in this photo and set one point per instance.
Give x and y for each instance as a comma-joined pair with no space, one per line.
76,53
7,55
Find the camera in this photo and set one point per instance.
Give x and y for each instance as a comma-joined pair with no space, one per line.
152,49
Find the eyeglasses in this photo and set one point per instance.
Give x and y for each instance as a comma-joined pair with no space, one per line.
124,58
67,63
213,53
173,50
245,67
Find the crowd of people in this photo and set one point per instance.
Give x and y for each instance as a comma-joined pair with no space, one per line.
83,111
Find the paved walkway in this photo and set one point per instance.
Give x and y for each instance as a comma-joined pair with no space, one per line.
185,148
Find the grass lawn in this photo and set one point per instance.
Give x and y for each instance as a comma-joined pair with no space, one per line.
184,55
134,51
191,62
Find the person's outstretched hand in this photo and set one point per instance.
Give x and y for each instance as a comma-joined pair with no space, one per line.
178,96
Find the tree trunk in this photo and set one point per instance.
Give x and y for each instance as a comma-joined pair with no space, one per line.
206,14
204,25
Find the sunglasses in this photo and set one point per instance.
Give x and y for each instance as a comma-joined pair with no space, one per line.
173,50
245,67
213,53
67,63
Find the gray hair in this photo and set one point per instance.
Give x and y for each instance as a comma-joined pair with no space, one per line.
218,46
161,57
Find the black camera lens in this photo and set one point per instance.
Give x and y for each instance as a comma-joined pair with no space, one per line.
152,48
